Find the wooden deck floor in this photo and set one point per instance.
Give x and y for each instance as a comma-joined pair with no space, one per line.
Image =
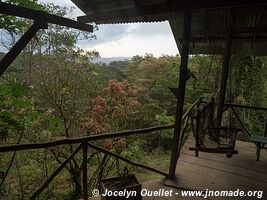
216,172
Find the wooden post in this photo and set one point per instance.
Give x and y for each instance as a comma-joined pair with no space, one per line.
181,92
85,186
223,82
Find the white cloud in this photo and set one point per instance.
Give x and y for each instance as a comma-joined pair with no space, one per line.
128,39
136,45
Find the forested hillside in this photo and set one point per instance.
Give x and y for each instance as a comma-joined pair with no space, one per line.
55,90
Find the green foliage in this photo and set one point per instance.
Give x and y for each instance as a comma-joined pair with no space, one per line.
14,105
13,24
64,94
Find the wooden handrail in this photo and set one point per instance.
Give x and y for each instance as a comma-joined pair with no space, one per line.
191,108
19,147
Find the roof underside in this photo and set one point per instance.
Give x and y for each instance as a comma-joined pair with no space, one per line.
211,20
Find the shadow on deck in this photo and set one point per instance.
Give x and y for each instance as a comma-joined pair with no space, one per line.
216,172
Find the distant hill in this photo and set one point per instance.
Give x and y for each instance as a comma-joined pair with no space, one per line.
105,60
108,60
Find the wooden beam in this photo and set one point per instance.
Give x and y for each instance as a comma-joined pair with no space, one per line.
169,7
223,81
181,92
20,45
37,15
20,147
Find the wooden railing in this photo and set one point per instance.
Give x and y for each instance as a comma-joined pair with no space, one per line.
86,142
233,106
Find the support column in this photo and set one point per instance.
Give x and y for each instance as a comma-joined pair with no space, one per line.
20,45
223,81
181,92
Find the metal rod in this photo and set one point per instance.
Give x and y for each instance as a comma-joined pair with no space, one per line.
181,92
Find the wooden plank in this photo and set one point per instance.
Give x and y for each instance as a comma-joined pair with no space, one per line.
244,160
224,167
217,179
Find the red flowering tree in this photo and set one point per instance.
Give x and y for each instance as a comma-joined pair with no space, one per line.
112,112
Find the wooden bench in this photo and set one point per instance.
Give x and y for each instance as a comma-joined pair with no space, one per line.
259,140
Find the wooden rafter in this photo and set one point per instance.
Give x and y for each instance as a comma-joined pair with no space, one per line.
41,20
37,15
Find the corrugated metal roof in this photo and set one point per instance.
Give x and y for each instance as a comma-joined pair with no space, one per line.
208,25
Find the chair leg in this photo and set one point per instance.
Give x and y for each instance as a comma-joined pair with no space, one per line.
258,151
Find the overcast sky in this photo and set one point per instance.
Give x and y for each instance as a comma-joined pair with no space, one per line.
129,39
